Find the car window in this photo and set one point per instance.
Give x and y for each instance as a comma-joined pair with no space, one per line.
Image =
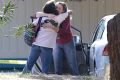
99,30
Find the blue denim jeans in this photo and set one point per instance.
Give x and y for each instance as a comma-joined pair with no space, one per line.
44,53
69,51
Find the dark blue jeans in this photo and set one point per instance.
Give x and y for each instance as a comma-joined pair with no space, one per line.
70,53
44,53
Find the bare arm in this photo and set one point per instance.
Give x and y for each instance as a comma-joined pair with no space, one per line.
61,17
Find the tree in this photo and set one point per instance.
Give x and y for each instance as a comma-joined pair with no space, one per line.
6,12
113,34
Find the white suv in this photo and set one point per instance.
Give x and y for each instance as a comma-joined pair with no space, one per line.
97,60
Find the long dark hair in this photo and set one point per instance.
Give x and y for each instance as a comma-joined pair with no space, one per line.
50,8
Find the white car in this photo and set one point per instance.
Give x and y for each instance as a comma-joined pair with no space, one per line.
97,60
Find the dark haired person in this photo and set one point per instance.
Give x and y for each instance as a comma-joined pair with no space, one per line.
46,38
64,44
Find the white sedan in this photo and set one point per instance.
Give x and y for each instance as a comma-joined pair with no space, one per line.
97,60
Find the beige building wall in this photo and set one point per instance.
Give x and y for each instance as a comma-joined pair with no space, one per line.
86,14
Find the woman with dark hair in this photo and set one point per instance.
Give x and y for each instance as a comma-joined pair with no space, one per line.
46,38
65,44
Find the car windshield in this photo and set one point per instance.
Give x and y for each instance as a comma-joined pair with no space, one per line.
99,30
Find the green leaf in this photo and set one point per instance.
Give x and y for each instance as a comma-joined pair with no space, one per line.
6,13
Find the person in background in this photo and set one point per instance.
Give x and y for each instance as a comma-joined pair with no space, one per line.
64,44
46,38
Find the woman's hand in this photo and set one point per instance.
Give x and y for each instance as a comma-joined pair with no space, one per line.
49,25
70,12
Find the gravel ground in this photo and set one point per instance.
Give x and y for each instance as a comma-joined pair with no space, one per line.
18,76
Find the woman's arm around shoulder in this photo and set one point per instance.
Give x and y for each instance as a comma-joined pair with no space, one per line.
40,14
61,17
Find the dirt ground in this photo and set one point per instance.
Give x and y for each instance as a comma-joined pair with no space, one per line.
18,76
107,72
